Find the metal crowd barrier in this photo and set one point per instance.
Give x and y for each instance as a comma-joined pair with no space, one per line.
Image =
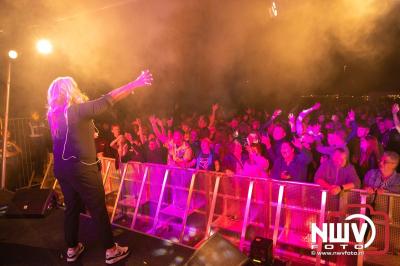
31,161
20,168
186,206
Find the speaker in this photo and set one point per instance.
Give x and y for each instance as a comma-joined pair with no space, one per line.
261,251
5,199
31,202
217,251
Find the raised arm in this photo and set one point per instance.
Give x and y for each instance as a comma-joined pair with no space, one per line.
302,115
170,124
351,116
140,130
91,109
144,79
276,113
292,123
213,115
270,151
395,111
156,130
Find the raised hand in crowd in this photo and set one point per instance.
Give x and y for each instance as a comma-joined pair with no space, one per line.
152,119
316,106
292,122
160,122
276,113
138,122
142,137
215,107
291,117
395,108
395,111
351,116
267,116
335,118
302,115
170,122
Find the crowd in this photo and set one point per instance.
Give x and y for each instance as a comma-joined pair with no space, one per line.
337,148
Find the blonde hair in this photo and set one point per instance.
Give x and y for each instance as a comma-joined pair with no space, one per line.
63,92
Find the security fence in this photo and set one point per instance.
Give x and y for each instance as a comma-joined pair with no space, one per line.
29,153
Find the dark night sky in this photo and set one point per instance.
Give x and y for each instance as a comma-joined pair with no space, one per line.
202,51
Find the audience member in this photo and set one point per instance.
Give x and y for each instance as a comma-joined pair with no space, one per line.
343,148
385,178
337,174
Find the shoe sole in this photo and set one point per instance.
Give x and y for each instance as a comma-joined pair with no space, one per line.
77,255
115,260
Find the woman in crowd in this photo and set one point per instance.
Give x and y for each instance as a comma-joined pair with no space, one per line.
256,165
232,162
207,160
367,156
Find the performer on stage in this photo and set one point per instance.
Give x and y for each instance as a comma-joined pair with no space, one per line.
70,115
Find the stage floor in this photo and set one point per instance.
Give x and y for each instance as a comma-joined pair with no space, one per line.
41,242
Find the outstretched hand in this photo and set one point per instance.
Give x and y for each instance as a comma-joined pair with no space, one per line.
170,122
277,113
152,119
291,117
351,115
316,106
215,107
144,79
159,122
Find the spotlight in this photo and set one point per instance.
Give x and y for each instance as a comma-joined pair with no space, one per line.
12,54
44,46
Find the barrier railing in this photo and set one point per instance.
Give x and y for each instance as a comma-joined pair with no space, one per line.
22,167
187,206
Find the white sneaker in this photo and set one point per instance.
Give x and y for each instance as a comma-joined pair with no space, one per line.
73,253
117,254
